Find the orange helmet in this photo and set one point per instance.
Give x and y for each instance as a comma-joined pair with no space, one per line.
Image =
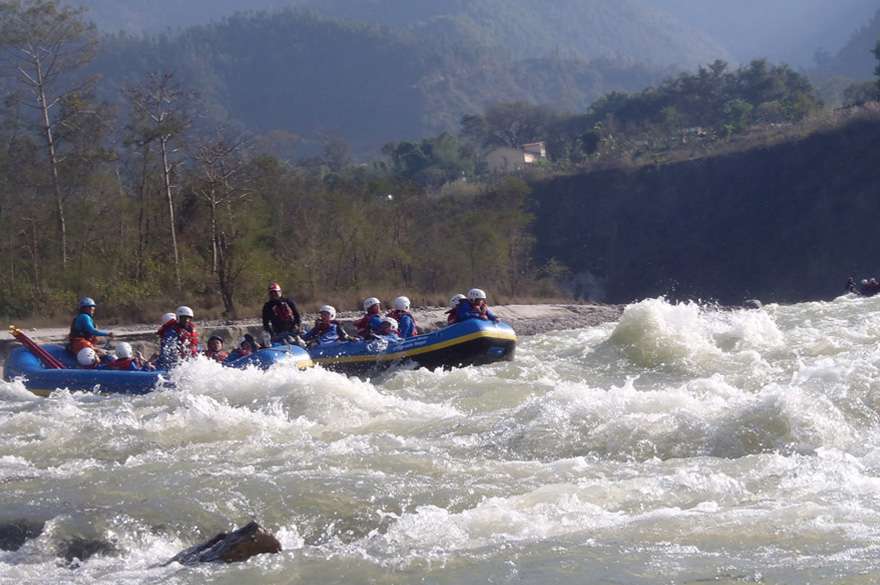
274,287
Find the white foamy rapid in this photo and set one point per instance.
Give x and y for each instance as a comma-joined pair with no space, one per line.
681,445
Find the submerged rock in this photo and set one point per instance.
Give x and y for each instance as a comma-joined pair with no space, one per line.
14,534
233,547
82,549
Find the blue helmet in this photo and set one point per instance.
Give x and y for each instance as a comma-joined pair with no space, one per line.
87,302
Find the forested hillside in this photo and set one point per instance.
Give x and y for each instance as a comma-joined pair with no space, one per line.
301,73
586,29
856,60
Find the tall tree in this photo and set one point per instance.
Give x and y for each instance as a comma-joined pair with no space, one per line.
877,70
161,108
44,48
223,182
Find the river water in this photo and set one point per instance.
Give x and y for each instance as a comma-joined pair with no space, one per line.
683,444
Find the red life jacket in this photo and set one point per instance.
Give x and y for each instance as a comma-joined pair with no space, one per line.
187,337
451,317
120,364
217,356
283,311
363,325
166,328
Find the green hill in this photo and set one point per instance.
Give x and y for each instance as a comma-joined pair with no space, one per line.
302,73
584,29
855,60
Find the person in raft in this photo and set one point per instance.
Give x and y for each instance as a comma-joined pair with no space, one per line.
86,358
451,317
388,330
179,339
281,318
327,329
474,307
247,346
127,360
83,332
371,322
403,316
215,349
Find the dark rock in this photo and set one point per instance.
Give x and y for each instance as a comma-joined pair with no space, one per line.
13,535
84,548
753,304
233,547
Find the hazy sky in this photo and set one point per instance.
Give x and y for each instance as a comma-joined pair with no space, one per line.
783,30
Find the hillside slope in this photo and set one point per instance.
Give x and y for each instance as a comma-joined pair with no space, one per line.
302,73
782,30
583,29
782,223
855,60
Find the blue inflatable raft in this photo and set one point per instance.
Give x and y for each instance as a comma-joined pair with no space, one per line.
24,365
470,343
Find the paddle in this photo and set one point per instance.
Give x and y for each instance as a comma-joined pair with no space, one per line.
50,361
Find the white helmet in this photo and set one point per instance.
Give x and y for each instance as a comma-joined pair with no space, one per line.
86,357
401,304
328,309
389,320
184,311
123,350
168,317
453,302
371,302
476,294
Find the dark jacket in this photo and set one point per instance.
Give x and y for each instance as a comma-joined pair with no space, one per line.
281,316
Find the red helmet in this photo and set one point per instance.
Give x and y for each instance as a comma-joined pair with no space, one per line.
274,286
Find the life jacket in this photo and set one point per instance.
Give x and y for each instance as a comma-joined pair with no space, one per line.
217,356
402,317
185,338
368,324
241,352
77,333
164,329
325,332
123,364
283,312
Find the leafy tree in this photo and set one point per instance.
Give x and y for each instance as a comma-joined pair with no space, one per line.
877,70
43,46
161,109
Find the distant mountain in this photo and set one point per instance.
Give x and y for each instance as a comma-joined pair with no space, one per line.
855,60
313,76
583,29
781,30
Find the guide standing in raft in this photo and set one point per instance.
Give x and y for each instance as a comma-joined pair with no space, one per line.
281,318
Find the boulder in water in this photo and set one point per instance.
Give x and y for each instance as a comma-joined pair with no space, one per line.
753,304
78,550
233,547
14,534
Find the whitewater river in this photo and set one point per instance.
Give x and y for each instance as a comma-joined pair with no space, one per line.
680,445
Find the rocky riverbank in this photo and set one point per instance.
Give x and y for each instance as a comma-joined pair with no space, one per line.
525,319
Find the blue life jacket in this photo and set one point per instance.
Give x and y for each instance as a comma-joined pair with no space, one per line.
465,310
324,333
406,324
